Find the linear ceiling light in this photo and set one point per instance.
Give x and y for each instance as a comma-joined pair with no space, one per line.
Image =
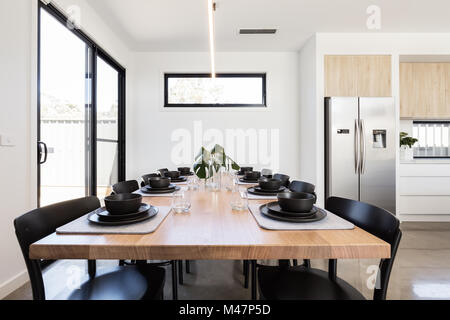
211,9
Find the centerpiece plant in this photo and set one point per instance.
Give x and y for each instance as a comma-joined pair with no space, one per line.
208,162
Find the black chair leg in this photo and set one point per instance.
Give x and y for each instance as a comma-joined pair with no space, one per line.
180,272
307,263
174,280
295,262
246,269
254,281
188,266
121,263
92,268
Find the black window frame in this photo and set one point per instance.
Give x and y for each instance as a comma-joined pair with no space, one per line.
95,51
167,76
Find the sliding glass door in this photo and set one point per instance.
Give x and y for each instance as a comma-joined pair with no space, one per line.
81,111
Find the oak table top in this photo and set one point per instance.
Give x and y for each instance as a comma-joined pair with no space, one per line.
212,231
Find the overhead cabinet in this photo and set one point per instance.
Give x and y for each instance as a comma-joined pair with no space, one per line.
425,90
358,76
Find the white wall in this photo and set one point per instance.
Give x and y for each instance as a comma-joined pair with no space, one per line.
150,135
15,82
394,44
18,56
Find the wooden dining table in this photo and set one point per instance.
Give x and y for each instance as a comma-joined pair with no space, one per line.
212,231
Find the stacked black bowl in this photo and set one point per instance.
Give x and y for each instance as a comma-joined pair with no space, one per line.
158,185
122,209
293,207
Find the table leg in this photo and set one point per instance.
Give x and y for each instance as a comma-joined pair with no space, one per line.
254,280
180,272
188,266
92,268
174,280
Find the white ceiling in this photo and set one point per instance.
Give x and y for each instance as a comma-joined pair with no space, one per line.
182,25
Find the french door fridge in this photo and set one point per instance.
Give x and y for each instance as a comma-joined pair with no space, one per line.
360,150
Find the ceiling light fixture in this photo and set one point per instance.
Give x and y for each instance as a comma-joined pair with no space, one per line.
211,9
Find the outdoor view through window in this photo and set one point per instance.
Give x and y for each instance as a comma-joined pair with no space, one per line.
224,90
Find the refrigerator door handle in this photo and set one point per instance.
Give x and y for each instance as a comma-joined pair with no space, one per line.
362,131
356,146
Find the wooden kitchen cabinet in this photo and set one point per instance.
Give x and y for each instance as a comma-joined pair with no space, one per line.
358,76
424,90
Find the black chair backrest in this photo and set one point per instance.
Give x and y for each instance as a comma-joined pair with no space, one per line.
301,186
377,221
126,187
282,177
41,222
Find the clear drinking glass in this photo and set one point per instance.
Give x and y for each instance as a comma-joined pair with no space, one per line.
181,202
193,183
239,199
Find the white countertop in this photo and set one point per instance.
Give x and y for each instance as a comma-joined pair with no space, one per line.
426,161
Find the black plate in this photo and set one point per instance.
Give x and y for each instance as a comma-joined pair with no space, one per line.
252,190
169,188
188,174
95,218
154,191
103,213
248,181
275,208
319,215
180,179
259,189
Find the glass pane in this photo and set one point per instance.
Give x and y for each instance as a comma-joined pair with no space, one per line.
63,118
229,90
107,100
107,167
433,139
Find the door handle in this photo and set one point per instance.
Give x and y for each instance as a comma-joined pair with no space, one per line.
356,146
363,147
40,145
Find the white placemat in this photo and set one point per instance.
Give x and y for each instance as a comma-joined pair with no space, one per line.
156,194
83,226
330,222
258,197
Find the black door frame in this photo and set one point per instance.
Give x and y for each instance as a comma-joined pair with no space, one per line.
92,53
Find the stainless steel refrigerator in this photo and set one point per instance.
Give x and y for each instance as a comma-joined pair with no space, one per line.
360,150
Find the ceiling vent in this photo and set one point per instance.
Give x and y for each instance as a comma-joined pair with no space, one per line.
257,31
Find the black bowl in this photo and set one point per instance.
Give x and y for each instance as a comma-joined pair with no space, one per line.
184,170
159,182
296,201
172,174
270,184
245,169
252,175
147,177
123,203
162,171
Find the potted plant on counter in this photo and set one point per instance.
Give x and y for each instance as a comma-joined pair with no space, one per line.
406,144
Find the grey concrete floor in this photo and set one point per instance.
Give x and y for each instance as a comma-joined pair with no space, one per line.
421,271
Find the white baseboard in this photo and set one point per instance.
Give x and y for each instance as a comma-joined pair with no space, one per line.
13,284
424,217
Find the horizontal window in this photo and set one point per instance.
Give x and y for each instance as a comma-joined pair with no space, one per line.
433,139
226,90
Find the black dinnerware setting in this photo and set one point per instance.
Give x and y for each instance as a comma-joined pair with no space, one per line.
297,207
185,171
146,178
251,176
267,187
243,170
122,209
159,185
175,176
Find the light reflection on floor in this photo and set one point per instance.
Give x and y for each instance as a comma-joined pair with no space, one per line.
431,290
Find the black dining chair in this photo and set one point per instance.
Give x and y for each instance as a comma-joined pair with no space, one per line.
129,186
300,283
118,283
284,178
